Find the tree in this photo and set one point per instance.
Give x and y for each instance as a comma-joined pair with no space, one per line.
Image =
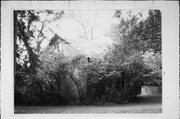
23,20
129,55
28,84
87,26
56,71
141,35
26,60
50,17
154,64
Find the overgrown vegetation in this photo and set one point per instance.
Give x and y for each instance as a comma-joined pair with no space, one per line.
43,77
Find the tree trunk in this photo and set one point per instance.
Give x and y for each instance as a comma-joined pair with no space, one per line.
77,86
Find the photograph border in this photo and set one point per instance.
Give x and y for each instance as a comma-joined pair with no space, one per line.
170,54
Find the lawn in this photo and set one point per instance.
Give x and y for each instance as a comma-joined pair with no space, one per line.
143,104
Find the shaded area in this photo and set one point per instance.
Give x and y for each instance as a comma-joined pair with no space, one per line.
143,104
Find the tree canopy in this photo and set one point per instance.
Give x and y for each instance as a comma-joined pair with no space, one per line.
46,76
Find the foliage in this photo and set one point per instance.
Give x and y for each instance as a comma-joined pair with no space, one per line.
142,37
46,77
25,72
29,86
55,72
23,20
136,34
154,64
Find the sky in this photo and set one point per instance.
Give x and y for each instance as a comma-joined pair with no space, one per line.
70,28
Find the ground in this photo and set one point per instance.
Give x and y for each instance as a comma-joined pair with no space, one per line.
143,104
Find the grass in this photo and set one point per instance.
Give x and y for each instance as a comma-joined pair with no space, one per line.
143,104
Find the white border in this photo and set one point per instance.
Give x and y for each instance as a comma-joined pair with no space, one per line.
170,49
